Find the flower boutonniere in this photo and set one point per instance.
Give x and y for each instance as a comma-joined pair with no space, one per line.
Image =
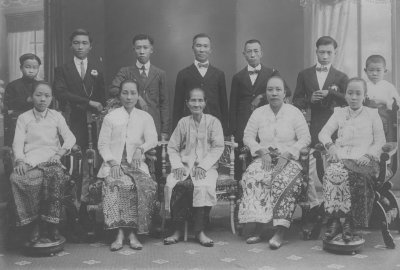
94,73
333,87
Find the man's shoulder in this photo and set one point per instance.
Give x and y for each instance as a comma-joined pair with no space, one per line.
215,70
157,69
338,73
307,71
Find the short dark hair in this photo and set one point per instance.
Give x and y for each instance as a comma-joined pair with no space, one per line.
125,82
375,58
29,56
251,41
326,40
143,37
358,79
36,84
80,32
201,35
196,89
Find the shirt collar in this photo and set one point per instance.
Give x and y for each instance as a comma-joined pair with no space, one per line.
78,61
196,63
250,68
139,65
319,66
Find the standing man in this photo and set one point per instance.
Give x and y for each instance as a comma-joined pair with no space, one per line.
205,76
248,89
80,84
153,93
320,88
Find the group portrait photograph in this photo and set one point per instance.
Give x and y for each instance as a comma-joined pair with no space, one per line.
199,134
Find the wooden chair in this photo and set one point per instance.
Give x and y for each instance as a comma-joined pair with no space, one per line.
386,210
227,186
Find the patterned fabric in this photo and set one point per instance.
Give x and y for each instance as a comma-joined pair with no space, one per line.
129,201
181,201
39,193
348,190
270,195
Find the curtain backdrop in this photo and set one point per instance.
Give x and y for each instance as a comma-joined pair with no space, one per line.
18,44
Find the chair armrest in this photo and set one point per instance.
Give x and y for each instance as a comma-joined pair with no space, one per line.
244,154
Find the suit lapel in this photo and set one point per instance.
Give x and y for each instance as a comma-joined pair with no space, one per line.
330,78
195,72
152,75
262,76
210,71
314,80
73,73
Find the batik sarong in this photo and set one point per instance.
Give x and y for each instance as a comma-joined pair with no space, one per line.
270,195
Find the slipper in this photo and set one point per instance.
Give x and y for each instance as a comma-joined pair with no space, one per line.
170,241
274,244
253,240
206,244
115,246
135,246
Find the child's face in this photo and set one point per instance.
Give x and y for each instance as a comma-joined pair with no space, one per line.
326,54
375,72
30,68
42,97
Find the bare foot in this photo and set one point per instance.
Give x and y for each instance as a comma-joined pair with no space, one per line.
204,240
117,244
134,242
173,239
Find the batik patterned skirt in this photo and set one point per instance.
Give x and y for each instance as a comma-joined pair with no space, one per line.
270,195
39,193
129,201
348,190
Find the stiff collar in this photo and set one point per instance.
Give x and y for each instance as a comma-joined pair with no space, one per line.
250,68
146,66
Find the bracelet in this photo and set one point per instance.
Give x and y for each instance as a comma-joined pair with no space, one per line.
328,145
114,165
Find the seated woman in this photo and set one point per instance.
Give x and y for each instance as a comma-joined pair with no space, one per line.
353,162
128,189
18,93
38,178
275,133
194,149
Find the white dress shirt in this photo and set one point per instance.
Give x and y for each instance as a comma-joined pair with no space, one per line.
321,76
360,132
202,70
36,137
253,77
383,90
146,66
78,62
120,130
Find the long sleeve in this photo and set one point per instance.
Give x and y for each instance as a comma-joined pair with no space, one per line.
378,134
174,147
19,139
150,134
62,92
179,99
250,133
223,103
300,99
302,134
116,82
66,134
325,136
217,146
233,105
104,140
164,104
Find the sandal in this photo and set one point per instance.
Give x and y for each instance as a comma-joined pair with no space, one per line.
135,246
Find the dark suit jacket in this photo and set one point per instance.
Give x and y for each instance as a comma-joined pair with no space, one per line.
243,93
153,90
213,83
307,83
69,89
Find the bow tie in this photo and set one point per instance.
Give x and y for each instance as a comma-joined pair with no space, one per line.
254,72
322,69
201,65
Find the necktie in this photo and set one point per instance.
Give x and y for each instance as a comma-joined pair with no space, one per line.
254,72
201,65
82,70
322,69
143,72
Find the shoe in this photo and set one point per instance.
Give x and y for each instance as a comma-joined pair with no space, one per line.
274,244
333,229
170,240
253,240
347,232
